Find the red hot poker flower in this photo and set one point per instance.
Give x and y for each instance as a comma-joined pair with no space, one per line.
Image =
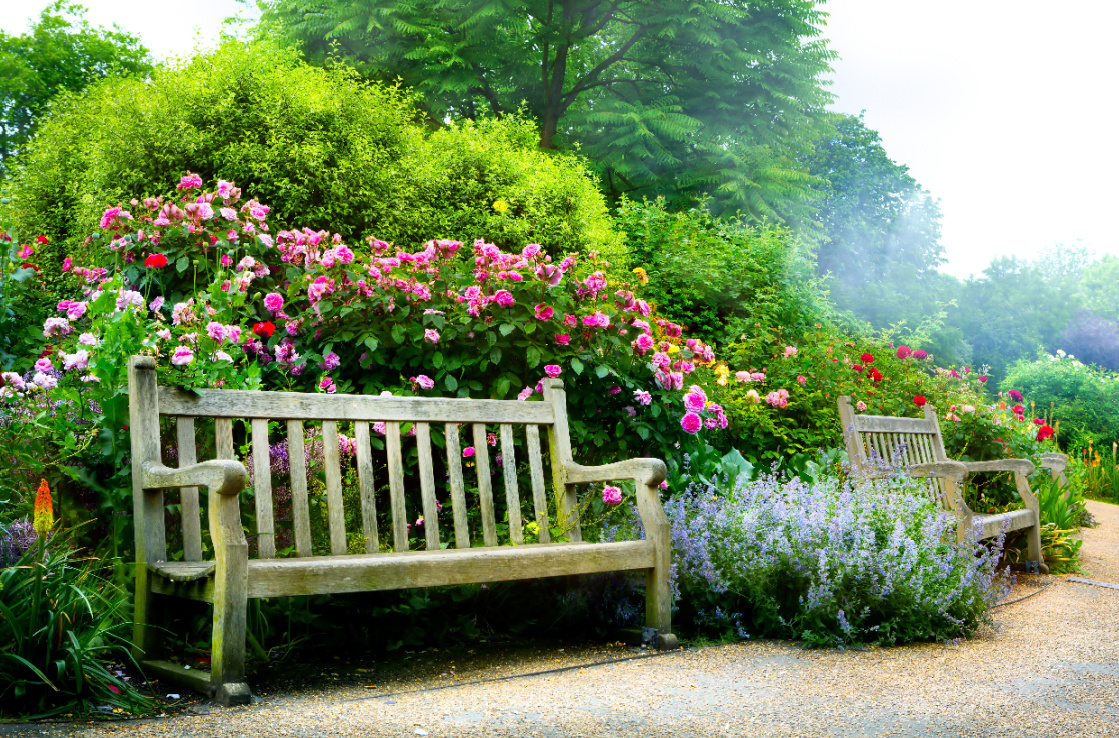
920,401
44,510
155,261
265,329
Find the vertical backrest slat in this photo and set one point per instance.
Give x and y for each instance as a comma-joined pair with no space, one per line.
396,487
485,491
427,486
333,463
368,489
223,430
559,448
937,439
536,470
192,516
512,494
297,468
458,492
262,490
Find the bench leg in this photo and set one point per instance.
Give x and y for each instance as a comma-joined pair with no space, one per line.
1033,547
227,654
658,595
147,638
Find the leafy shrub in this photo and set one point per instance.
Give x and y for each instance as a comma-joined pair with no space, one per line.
830,563
716,275
202,282
1082,399
326,150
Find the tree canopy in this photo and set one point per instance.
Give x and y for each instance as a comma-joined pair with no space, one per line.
60,52
882,229
668,97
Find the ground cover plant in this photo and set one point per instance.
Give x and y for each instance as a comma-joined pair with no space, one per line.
830,563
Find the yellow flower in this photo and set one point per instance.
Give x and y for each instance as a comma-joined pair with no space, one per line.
44,510
532,528
673,349
721,369
500,206
642,275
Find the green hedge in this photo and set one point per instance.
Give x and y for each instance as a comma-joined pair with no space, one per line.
326,150
1085,400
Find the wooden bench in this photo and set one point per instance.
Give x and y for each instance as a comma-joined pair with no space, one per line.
877,445
232,577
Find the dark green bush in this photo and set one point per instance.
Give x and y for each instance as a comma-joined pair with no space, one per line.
324,149
717,276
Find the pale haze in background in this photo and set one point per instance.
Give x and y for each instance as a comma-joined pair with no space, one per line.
1002,111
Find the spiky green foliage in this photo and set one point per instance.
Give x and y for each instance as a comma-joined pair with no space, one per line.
669,97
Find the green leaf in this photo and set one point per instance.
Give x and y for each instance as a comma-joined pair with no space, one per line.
532,357
181,264
450,383
397,333
507,328
602,370
437,359
495,355
370,343
577,366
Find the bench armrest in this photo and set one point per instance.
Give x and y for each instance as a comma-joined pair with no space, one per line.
223,477
650,472
953,470
1056,463
1018,466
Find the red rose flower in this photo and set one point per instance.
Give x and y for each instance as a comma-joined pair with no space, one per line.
42,239
982,377
265,329
875,375
904,352
29,265
919,354
867,358
857,367
1044,433
920,401
155,261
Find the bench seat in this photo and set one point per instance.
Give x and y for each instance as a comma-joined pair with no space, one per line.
381,571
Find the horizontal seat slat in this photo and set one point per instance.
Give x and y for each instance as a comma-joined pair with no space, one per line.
883,424
312,406
992,524
370,572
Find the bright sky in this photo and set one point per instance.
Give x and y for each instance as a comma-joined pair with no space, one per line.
1001,111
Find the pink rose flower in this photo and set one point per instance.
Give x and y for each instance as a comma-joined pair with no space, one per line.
552,370
468,452
182,356
431,336
424,382
504,298
544,312
691,423
790,351
644,343
642,397
611,495
563,339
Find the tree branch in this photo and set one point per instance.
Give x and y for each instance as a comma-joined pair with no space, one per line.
602,66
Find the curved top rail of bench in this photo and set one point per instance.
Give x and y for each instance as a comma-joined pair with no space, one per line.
313,406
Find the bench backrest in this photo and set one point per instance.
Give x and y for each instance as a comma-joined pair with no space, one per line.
310,418
878,444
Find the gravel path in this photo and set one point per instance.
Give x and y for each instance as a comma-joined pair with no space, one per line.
1048,666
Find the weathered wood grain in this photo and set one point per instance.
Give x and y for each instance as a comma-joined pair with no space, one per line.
364,573
427,486
539,493
262,490
368,488
458,490
485,488
297,468
192,514
396,487
512,494
314,406
559,447
333,467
